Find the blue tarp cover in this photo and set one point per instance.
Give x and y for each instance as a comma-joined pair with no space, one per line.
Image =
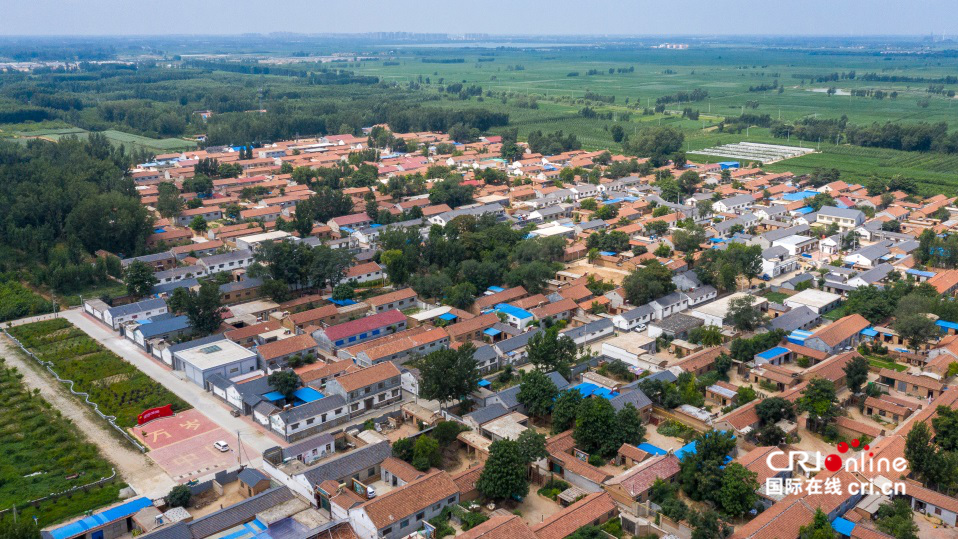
307,394
843,526
774,353
651,449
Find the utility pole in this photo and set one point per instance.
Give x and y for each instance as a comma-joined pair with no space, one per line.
239,448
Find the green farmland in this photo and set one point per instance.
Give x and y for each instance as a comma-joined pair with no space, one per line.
42,452
118,387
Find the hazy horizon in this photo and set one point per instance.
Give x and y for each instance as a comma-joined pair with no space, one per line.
640,18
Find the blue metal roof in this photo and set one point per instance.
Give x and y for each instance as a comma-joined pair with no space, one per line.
607,253
495,289
484,383
447,317
804,211
492,332
869,332
943,324
513,311
97,520
651,449
843,526
274,396
774,352
920,273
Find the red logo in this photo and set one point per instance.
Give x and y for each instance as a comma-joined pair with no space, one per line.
833,462
154,413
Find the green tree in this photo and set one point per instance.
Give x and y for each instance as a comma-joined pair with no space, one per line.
139,279
657,143
818,528
285,382
774,409
945,424
916,328
689,181
504,476
743,315
897,519
179,496
770,435
856,373
706,336
203,308
701,472
707,525
168,203
818,399
24,528
537,393
403,449
198,224
109,221
595,428
737,494
426,453
549,351
449,374
446,432
745,395
532,445
628,426
647,283
565,410
344,291
461,295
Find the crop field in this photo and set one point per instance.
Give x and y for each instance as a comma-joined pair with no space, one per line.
726,74
118,387
41,452
131,141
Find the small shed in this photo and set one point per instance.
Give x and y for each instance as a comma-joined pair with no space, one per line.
252,482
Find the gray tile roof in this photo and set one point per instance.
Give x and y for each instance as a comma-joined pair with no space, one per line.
308,444
232,256
138,307
702,292
228,517
196,342
251,476
845,213
517,342
636,313
245,284
170,287
487,413
794,319
361,459
485,353
313,409
637,397
774,235
595,325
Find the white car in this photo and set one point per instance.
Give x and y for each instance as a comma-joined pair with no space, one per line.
222,446
370,493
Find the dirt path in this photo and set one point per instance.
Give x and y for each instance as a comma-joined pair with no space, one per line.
136,468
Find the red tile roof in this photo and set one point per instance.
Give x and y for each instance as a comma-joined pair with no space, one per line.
365,324
596,506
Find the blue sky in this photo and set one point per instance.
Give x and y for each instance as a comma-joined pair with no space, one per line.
634,17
